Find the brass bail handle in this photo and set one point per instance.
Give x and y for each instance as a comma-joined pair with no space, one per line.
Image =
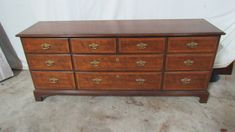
95,63
188,62
45,46
140,81
192,45
53,80
140,63
96,80
185,81
49,62
93,46
141,45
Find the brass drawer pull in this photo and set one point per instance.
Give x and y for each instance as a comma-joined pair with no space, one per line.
45,46
49,62
188,62
53,80
95,63
141,45
97,80
140,63
140,81
117,76
93,46
192,45
185,81
117,59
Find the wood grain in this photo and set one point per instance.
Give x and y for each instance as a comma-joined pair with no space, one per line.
119,80
111,68
40,62
179,44
40,95
104,45
119,28
118,62
199,80
130,45
34,45
200,62
65,80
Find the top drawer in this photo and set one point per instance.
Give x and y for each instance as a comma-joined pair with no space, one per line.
45,45
192,44
141,45
93,45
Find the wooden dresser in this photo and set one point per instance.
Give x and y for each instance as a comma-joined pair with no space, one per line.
121,57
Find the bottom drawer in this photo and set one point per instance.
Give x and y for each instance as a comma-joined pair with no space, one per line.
186,80
53,80
118,80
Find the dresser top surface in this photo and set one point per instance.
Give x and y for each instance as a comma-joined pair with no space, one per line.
121,28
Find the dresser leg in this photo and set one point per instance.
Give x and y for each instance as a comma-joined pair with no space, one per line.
203,98
38,97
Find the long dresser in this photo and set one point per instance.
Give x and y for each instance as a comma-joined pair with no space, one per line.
121,57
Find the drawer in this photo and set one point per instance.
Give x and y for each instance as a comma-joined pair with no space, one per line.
189,62
49,62
186,80
118,80
141,45
192,44
53,80
45,45
93,45
118,62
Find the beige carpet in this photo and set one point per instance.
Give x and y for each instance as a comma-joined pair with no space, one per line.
20,113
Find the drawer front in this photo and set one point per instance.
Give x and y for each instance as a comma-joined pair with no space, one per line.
189,62
45,45
141,45
186,80
93,45
53,80
192,44
118,62
118,80
49,62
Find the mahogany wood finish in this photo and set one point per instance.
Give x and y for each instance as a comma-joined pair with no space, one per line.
121,57
40,95
93,45
186,80
178,62
118,62
53,80
203,44
118,80
122,28
49,62
141,45
45,45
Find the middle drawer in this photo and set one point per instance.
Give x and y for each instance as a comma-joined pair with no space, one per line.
182,62
118,62
119,80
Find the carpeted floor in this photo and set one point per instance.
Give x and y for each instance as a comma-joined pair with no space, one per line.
20,113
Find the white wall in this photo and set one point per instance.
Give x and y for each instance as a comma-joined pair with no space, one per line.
16,15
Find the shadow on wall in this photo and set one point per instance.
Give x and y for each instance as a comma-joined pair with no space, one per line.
8,50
